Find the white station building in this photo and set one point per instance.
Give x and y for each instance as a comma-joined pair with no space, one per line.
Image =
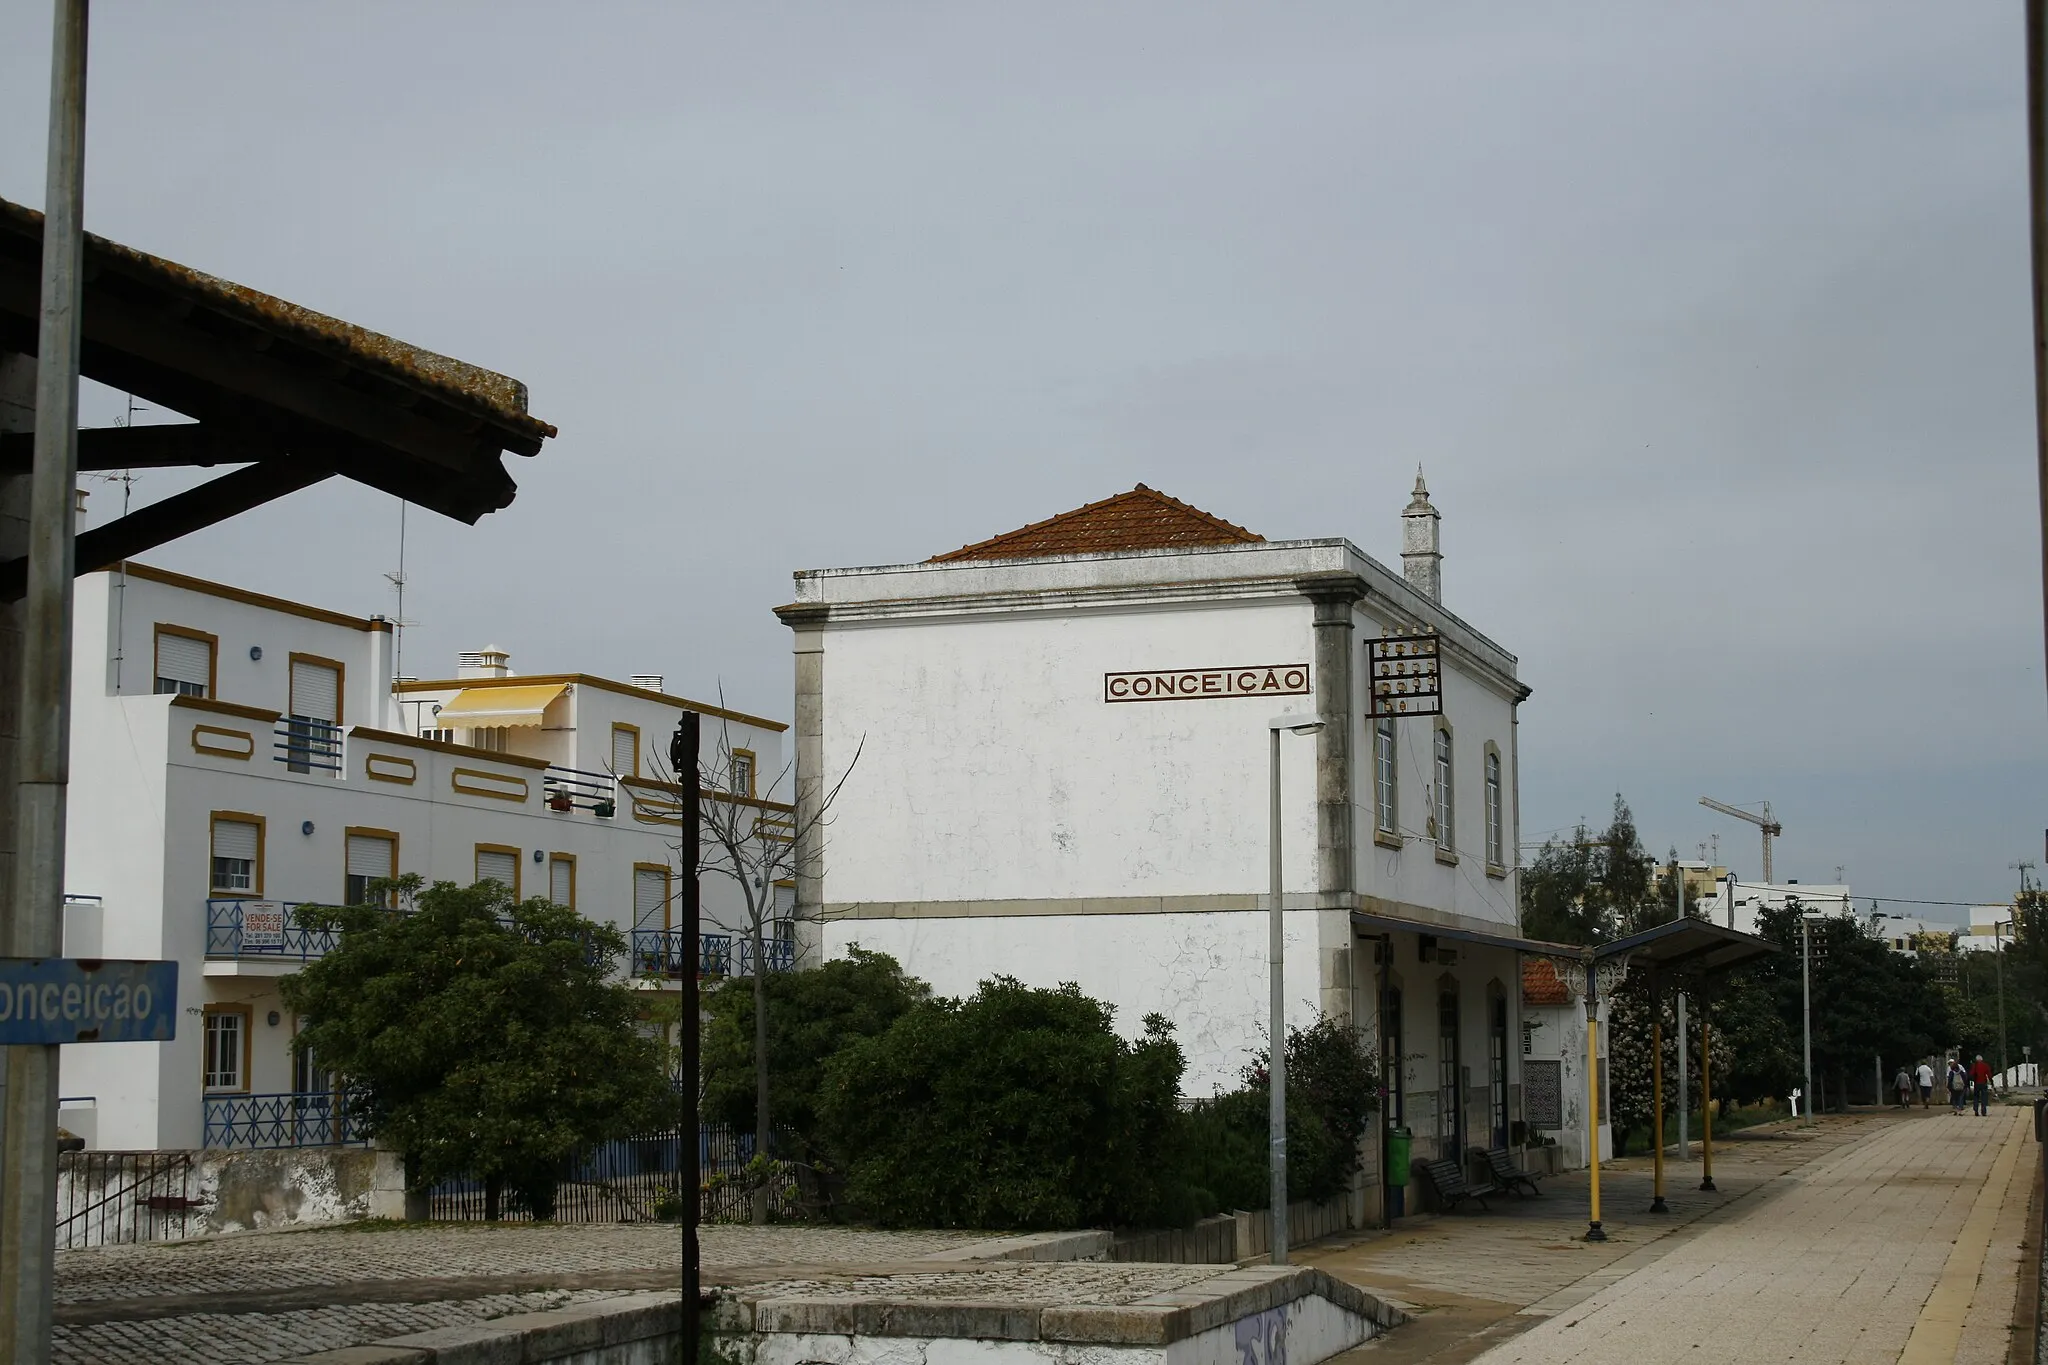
236,755
1063,776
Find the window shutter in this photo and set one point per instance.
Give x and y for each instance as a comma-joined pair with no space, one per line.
316,691
650,898
235,839
183,659
496,865
369,855
562,882
625,752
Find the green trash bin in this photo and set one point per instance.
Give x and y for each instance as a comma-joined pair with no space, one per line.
1400,1142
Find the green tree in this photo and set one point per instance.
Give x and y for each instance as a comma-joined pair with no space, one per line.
811,1016
1332,1093
1762,1048
1870,1004
1015,1107
479,1037
1592,887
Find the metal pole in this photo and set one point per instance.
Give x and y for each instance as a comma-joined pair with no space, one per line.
1276,1117
1998,943
28,1167
1594,1233
1806,1007
683,751
1684,1090
2037,179
1706,1091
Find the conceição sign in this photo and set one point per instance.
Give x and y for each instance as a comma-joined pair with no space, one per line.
1193,684
46,1000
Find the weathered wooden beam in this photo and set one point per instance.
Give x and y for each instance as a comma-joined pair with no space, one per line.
178,515
149,447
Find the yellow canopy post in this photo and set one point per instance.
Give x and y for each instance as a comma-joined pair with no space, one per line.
1594,1232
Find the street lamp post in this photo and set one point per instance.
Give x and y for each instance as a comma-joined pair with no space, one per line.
1806,1006
1276,955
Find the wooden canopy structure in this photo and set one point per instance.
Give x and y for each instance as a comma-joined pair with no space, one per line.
292,395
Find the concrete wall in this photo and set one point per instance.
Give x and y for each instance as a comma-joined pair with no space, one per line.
230,1191
1206,972
992,768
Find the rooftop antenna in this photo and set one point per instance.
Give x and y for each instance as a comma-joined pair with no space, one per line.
126,478
398,581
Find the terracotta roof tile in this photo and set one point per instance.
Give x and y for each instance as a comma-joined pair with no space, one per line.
1540,984
1142,519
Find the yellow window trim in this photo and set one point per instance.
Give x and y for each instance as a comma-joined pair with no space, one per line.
499,848
238,817
211,641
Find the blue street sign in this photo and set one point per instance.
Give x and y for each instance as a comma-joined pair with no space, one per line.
86,1000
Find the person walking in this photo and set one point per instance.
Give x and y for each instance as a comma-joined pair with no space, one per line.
1958,1085
1980,1085
1903,1085
1926,1078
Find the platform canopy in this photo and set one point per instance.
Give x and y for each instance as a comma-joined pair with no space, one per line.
1689,945
292,395
1373,925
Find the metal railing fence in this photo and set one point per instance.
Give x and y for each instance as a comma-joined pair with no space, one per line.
107,1198
294,1119
631,1180
305,745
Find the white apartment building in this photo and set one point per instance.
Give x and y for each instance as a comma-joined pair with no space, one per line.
1751,899
236,755
1063,776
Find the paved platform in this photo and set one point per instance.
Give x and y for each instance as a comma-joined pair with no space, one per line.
1876,1237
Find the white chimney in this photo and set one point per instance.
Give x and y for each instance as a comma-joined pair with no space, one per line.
1421,563
489,662
651,681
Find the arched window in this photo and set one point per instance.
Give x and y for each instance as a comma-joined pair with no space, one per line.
1495,852
1386,779
1446,833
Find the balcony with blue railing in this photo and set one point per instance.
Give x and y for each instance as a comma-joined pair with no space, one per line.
307,1119
269,931
242,930
666,952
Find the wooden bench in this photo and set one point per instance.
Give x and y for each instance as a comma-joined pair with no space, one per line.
1506,1174
1451,1188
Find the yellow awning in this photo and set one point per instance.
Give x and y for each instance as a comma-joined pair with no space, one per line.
487,708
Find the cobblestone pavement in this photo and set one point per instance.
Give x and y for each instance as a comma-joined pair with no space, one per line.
147,1303
1821,1247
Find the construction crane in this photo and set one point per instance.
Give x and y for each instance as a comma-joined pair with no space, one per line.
1771,828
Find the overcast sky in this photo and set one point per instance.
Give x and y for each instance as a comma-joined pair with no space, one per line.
1707,321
